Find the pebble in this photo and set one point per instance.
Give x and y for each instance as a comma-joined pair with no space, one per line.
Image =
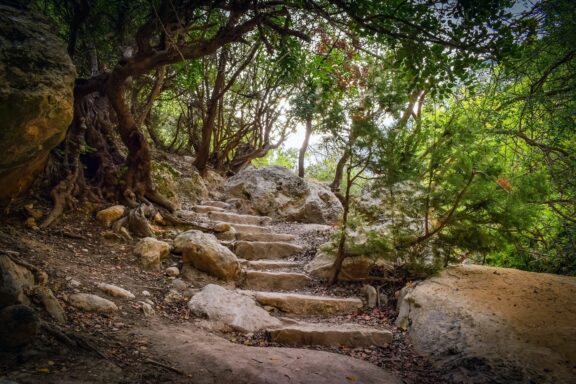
179,284
172,271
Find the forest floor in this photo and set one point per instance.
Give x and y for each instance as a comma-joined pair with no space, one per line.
118,347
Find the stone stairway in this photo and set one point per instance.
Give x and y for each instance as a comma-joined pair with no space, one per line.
280,284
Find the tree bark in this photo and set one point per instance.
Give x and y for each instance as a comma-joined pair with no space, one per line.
304,147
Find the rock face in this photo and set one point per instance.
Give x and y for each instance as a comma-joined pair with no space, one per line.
494,325
151,252
205,253
233,309
36,104
15,282
277,192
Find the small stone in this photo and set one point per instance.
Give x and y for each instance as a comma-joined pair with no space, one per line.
172,271
173,296
179,284
92,303
145,293
30,223
147,309
114,291
74,283
371,295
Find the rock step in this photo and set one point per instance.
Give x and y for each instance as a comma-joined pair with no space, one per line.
234,218
257,250
206,208
262,265
274,281
269,237
215,203
331,335
308,305
244,228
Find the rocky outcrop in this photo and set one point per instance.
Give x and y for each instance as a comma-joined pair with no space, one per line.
279,193
494,325
205,253
237,311
36,103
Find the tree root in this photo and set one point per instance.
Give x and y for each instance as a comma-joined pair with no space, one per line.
71,339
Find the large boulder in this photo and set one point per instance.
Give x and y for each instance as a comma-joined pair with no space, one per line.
205,253
36,103
494,325
237,311
279,193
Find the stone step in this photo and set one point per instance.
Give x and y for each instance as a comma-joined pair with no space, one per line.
331,335
263,265
206,208
269,237
215,203
257,250
244,228
235,218
275,281
308,305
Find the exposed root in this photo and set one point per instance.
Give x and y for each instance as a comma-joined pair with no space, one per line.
138,223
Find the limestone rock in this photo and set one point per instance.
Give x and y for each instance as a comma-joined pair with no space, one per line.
273,281
256,250
147,309
371,295
239,219
92,303
115,291
205,253
36,101
308,305
353,268
494,325
15,282
331,335
279,193
172,271
111,214
263,265
19,327
179,285
233,309
151,252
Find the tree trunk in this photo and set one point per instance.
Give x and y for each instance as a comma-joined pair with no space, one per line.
304,146
341,255
137,180
203,153
335,185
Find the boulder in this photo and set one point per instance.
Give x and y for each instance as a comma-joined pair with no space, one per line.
279,193
111,214
205,253
115,291
353,268
238,311
36,101
92,303
151,252
494,325
16,282
19,327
